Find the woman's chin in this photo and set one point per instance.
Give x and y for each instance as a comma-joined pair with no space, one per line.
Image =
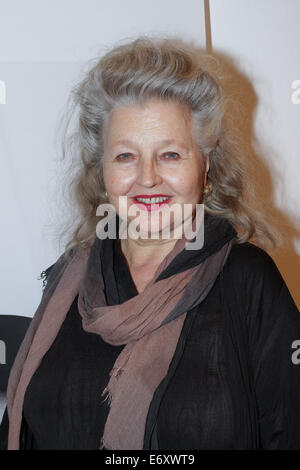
144,232
153,232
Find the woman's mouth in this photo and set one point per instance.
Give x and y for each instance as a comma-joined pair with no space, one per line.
151,203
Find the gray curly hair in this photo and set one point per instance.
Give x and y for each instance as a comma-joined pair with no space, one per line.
168,69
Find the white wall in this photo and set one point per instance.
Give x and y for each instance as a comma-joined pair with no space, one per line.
44,48
262,37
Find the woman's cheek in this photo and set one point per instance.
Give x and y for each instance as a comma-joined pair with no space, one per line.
179,183
119,184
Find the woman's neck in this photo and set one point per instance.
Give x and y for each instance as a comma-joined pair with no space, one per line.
145,252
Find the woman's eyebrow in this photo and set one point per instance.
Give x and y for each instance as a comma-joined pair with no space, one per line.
159,143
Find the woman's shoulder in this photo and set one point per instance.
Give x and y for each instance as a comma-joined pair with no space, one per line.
45,274
250,272
251,260
252,278
60,263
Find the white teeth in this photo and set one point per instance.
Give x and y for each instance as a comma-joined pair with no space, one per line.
151,200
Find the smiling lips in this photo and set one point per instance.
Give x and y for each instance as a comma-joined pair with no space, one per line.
151,203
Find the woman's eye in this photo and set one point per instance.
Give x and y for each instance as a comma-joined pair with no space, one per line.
127,156
174,155
124,156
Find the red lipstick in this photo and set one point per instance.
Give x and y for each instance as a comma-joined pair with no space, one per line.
151,206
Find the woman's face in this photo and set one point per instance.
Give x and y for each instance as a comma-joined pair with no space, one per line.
149,152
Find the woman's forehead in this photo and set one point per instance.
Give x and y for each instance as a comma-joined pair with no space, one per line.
162,122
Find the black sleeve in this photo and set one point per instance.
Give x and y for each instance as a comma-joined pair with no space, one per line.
274,346
4,431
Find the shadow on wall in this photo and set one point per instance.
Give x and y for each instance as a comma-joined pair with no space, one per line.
256,155
266,178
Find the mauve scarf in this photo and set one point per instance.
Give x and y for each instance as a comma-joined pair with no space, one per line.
149,324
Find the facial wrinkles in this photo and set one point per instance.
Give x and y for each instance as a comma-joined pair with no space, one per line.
145,128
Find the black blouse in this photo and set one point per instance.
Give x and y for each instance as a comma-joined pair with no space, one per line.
206,402
63,406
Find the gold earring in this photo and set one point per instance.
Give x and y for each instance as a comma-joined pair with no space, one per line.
207,189
106,194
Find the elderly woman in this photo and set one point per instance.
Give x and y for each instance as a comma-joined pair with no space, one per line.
145,342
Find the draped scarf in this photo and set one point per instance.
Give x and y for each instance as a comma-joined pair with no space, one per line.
148,324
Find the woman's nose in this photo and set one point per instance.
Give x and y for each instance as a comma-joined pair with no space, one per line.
148,174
